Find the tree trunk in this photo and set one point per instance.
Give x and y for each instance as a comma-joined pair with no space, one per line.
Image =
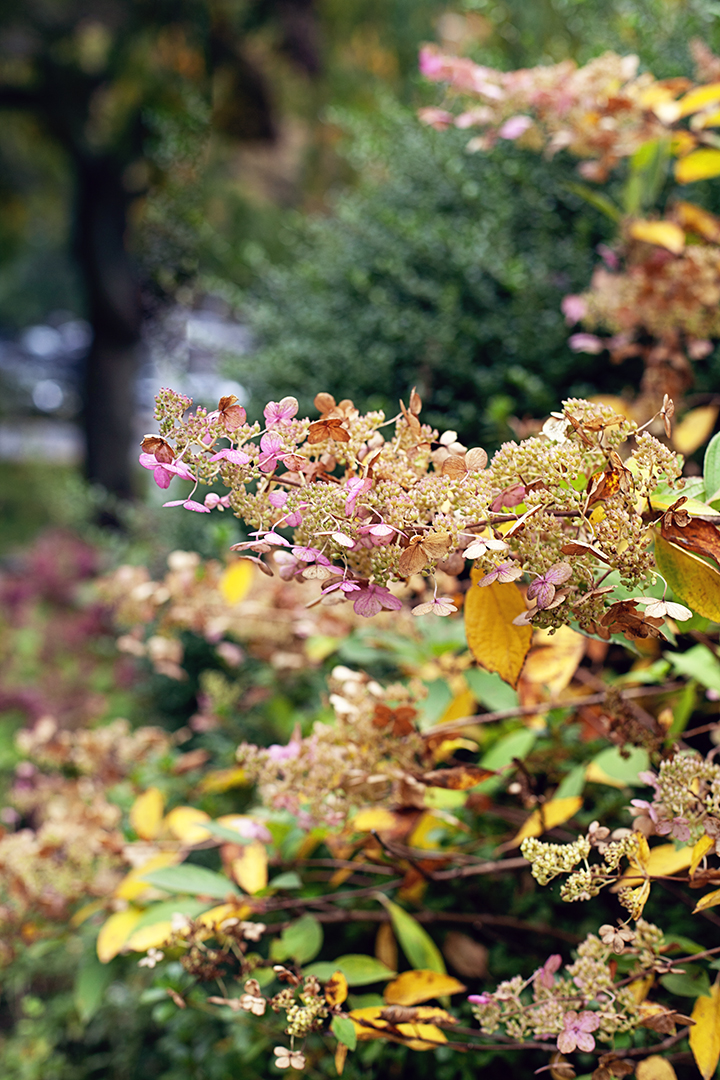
115,313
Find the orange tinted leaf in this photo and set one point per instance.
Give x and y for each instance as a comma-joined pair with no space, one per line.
413,559
412,987
458,778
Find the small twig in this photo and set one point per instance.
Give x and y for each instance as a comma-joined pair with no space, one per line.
397,854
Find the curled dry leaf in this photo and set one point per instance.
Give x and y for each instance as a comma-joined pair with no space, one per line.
330,427
159,447
421,550
700,537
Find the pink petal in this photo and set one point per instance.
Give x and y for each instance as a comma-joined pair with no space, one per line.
514,127
586,343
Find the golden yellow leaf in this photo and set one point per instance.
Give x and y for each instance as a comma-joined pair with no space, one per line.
698,220
185,822
711,899
250,869
694,582
146,813
217,915
662,861
412,987
150,937
595,774
223,780
698,98
340,1055
636,900
663,233
132,886
655,1068
115,932
447,748
699,165
463,704
374,818
421,836
87,910
554,658
416,1033
235,582
553,813
682,142
640,988
705,1034
422,1036
695,429
703,846
336,989
496,643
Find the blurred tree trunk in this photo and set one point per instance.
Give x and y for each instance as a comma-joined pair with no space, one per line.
115,313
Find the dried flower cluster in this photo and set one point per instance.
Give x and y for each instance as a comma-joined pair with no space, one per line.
368,509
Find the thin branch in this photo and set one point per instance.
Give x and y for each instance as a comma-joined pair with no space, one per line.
548,706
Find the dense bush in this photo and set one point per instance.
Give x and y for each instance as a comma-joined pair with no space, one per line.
444,269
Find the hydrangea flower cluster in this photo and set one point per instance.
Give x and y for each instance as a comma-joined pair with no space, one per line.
355,761
367,507
577,1006
686,799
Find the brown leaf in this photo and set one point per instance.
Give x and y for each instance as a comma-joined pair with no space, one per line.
701,537
401,717
624,618
468,957
457,778
413,558
412,421
577,547
161,448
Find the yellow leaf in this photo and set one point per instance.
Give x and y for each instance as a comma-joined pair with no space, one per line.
386,946
595,774
421,836
636,900
664,500
87,910
705,1034
463,704
146,813
682,142
698,220
711,899
548,816
554,658
422,1036
699,165
695,429
223,780
336,989
698,98
235,582
340,1055
416,1033
374,818
412,987
212,918
150,937
131,886
655,1068
640,989
662,861
694,582
115,932
447,748
494,640
184,822
250,869
663,233
703,846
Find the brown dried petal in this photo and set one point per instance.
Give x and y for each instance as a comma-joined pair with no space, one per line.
324,403
413,559
329,428
476,459
162,450
454,467
415,402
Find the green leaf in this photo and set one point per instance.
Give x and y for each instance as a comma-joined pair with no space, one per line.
416,943
711,469
697,663
624,769
648,171
573,783
344,1031
192,879
596,199
490,690
158,913
358,969
91,982
289,880
300,941
224,833
687,985
517,744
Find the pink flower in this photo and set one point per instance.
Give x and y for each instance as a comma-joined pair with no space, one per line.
310,555
278,498
587,343
214,501
373,599
514,127
189,504
343,586
440,119
354,488
577,1032
542,589
235,457
503,573
163,471
608,256
431,63
546,974
271,446
279,753
279,412
480,999
573,308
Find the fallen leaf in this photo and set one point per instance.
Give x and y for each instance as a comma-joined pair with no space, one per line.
496,643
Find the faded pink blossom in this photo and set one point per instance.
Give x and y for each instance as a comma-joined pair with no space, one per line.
587,343
280,412
235,457
514,127
507,571
189,504
440,119
355,487
278,498
574,308
213,501
373,598
608,256
163,471
545,975
271,446
577,1032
